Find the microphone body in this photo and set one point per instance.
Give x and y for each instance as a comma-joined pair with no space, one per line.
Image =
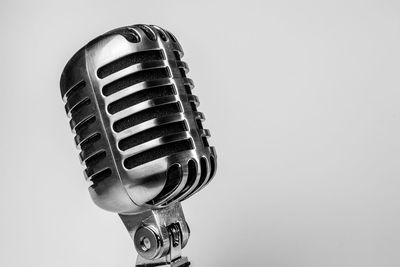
139,132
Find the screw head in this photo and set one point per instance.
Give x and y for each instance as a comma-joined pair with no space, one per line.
147,242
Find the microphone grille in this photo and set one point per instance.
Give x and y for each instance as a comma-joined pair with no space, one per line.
136,119
84,122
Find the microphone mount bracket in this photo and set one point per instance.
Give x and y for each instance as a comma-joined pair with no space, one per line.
159,236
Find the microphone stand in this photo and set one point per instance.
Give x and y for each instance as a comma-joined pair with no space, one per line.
159,236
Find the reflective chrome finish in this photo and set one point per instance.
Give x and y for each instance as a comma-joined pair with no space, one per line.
133,190
140,134
159,235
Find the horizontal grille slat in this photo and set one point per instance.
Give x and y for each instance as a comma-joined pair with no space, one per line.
152,133
95,159
129,60
78,106
158,152
144,115
135,78
83,124
93,162
79,86
90,141
140,96
88,152
100,176
73,101
85,132
82,114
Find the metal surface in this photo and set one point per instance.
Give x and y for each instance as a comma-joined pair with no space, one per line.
140,135
133,190
159,235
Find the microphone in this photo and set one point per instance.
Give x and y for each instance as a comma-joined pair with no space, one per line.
140,135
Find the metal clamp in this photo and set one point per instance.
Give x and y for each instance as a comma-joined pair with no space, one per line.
159,236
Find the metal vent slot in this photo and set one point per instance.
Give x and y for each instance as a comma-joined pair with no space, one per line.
95,159
79,86
144,115
199,124
212,168
135,78
100,176
152,133
203,176
192,174
128,33
142,95
193,106
183,72
90,141
149,33
171,36
92,161
129,60
205,141
74,100
187,89
177,55
174,178
160,32
80,105
85,133
85,123
203,172
158,152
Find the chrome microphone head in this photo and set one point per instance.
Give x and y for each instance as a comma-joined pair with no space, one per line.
136,120
140,135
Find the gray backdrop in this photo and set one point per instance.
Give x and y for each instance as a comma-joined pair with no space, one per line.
302,100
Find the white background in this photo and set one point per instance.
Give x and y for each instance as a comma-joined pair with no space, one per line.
302,100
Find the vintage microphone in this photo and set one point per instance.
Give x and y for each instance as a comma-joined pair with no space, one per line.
140,135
